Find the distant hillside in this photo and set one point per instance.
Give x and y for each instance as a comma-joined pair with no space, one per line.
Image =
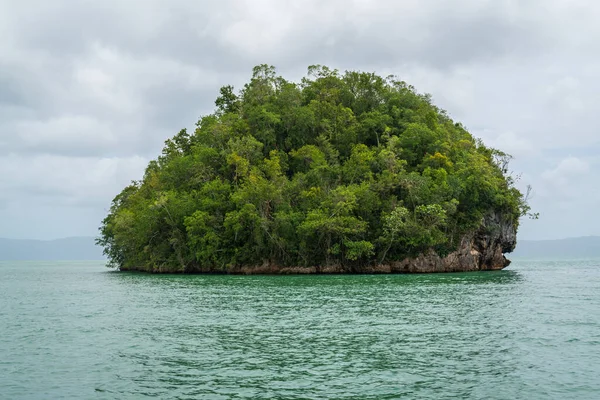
74,248
581,247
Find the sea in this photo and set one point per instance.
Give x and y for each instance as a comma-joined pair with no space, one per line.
77,330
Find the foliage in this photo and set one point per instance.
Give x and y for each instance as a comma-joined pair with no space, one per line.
340,168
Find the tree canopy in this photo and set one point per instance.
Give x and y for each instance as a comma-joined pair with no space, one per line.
339,168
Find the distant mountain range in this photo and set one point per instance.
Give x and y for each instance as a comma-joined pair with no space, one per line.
84,248
73,248
571,248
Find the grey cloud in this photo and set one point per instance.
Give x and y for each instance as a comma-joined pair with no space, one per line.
182,30
10,93
62,180
442,36
89,91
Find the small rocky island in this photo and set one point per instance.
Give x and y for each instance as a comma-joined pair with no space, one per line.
338,173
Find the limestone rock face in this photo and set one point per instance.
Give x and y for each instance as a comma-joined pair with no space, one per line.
481,251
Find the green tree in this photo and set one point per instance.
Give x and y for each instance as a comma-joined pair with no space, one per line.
341,168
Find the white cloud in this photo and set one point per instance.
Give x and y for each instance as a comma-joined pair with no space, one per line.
565,95
568,189
567,170
518,146
566,196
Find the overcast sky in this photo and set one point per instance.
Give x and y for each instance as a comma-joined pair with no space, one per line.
89,90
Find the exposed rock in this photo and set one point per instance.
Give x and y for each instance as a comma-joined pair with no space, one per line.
482,251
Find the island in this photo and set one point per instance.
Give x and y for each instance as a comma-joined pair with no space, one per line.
337,173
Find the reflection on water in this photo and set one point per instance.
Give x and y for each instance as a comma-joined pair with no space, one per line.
80,332
472,278
303,336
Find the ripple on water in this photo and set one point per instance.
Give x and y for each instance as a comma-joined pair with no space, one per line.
75,331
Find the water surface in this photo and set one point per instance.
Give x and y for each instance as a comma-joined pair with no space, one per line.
77,330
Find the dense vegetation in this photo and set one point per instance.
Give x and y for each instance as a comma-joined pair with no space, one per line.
346,169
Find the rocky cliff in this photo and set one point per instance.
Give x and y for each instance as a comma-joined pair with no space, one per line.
481,251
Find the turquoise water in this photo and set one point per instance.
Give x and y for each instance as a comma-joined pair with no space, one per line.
76,330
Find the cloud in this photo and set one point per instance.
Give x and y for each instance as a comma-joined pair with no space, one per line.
565,95
567,168
89,91
566,197
66,180
564,180
65,134
518,146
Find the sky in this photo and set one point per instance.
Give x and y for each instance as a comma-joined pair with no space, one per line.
90,90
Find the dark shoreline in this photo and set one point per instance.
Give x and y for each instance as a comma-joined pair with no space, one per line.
421,265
